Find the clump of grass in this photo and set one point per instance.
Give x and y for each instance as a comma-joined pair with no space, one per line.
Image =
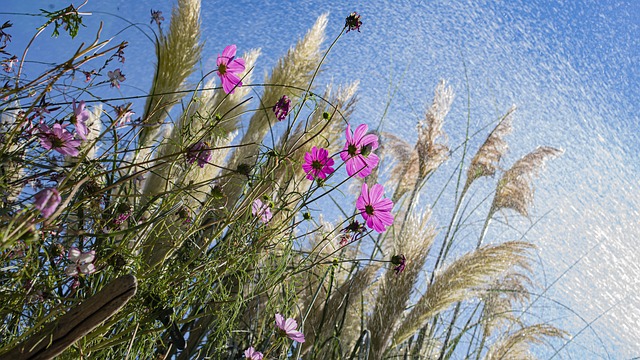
215,235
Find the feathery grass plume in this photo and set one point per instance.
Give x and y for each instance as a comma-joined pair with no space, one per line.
463,279
515,189
178,52
396,289
431,152
295,69
10,169
500,298
485,162
95,130
431,149
516,345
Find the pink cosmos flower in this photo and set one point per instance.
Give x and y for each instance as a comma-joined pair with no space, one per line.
375,210
47,201
317,163
80,117
58,139
288,327
199,151
115,77
258,208
229,68
357,153
252,354
282,107
82,262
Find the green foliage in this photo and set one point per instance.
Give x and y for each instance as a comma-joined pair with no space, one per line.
68,18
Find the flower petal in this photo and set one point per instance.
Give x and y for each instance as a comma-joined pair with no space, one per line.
74,254
71,270
229,52
280,321
87,257
236,66
296,336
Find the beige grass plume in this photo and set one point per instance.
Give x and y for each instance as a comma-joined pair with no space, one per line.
485,162
430,150
95,129
501,297
178,52
395,289
461,280
516,345
515,189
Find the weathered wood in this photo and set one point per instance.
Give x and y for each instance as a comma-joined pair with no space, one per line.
55,337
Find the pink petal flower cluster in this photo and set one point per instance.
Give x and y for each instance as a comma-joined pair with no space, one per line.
282,108
229,69
357,153
59,139
375,209
317,163
80,117
261,210
81,262
47,201
288,328
252,354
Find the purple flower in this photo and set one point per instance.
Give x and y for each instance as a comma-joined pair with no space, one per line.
258,208
357,153
80,117
82,262
115,77
58,139
199,151
353,22
229,68
157,17
123,114
288,328
252,354
47,201
401,263
375,210
282,107
317,163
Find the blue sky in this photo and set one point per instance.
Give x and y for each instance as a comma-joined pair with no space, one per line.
571,67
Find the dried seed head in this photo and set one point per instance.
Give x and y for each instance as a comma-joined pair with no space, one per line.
515,189
486,160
